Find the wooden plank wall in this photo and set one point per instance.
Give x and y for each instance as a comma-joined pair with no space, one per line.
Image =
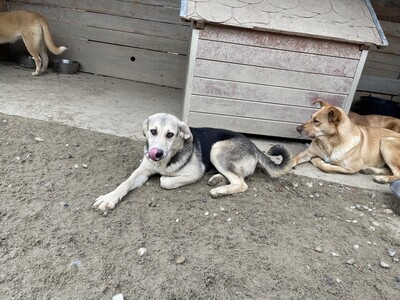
265,83
381,74
142,40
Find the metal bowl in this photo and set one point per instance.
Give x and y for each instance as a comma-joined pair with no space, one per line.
26,61
65,66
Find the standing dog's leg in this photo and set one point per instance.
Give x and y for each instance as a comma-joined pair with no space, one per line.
137,179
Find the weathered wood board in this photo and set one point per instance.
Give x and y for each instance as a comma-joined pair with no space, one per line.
265,83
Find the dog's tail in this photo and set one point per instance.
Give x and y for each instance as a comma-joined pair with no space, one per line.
48,39
276,169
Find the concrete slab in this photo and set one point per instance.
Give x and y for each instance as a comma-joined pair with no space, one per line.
117,107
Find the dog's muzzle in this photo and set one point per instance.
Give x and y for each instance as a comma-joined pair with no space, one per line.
155,154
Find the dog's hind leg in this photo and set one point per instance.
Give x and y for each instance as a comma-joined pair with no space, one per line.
236,185
235,160
390,150
44,57
215,179
32,38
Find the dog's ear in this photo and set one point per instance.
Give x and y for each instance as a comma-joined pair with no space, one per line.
145,126
184,131
321,102
334,116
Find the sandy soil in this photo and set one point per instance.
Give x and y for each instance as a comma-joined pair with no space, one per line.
286,238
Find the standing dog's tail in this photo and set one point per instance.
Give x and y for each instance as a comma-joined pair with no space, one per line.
275,169
48,39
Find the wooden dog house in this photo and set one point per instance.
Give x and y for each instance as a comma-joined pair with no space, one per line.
256,66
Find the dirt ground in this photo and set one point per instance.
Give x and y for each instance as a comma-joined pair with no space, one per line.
286,238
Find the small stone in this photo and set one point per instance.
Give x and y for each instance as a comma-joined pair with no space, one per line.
76,263
356,247
76,166
384,265
177,220
318,249
206,213
38,139
101,149
396,260
309,184
142,251
375,223
49,186
85,166
222,209
351,261
335,254
215,214
295,184
18,158
180,259
391,252
229,219
118,297
388,211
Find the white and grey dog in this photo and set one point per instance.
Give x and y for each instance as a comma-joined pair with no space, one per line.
181,155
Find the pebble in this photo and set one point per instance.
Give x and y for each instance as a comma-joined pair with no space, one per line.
180,259
85,166
388,211
351,261
118,297
384,265
391,252
76,263
356,247
318,249
206,213
295,184
76,166
49,186
142,251
309,184
335,254
39,139
229,219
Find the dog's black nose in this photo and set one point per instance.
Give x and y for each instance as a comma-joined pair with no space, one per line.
299,128
159,153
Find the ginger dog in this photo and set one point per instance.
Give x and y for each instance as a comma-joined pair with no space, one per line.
340,146
376,121
34,31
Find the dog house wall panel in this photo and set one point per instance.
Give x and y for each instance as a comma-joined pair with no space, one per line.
143,41
243,77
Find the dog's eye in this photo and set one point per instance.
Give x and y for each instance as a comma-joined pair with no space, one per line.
316,122
153,132
170,135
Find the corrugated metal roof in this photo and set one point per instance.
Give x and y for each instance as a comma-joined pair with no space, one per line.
343,20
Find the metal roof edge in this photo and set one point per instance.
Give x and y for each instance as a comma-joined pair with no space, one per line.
377,24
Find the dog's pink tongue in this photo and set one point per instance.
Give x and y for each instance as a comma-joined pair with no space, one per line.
152,154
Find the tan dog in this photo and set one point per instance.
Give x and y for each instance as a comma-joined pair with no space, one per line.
34,31
340,146
376,121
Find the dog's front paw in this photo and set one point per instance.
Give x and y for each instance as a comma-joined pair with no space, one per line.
107,201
